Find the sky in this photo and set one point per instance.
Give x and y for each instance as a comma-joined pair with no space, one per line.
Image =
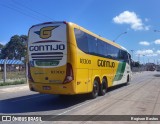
108,18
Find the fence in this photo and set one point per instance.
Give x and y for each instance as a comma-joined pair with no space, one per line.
139,69
12,72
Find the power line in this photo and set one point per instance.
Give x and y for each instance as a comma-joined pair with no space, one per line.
25,11
15,9
31,9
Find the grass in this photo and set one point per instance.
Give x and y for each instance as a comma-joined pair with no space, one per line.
13,78
13,75
13,83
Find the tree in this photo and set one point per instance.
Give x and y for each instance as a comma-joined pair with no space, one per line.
136,64
1,46
15,48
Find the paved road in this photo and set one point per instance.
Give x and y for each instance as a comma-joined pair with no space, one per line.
141,97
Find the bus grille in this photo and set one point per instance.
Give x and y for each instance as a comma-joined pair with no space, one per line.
47,56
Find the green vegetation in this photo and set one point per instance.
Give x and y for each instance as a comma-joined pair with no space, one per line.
13,75
13,78
15,48
13,83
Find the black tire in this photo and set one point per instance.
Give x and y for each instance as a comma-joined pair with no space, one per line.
103,88
127,82
95,90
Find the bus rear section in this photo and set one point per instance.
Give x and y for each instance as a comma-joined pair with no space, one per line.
49,71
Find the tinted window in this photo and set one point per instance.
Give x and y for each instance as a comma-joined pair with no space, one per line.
126,59
109,51
82,41
124,56
94,46
100,47
120,55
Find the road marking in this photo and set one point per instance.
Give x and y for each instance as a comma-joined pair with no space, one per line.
73,108
76,107
29,98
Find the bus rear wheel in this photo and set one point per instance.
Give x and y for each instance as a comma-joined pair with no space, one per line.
103,88
95,90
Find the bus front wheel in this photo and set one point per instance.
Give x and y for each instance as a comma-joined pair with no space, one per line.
127,82
95,90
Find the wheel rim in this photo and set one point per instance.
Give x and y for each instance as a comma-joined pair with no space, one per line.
95,89
103,87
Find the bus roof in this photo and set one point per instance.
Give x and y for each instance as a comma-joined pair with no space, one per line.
95,35
85,30
49,23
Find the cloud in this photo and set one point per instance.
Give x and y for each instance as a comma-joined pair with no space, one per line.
132,19
146,52
158,51
144,43
157,41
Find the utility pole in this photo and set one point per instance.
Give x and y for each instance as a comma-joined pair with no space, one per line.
143,59
139,58
139,62
5,70
132,53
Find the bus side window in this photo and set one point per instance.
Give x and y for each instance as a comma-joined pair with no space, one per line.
126,57
81,39
92,45
123,56
130,60
109,51
100,48
120,55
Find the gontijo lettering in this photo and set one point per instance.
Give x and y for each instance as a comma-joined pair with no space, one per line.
104,63
47,47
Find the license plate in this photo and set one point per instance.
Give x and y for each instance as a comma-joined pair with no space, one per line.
46,88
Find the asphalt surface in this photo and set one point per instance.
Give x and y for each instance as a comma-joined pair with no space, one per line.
140,97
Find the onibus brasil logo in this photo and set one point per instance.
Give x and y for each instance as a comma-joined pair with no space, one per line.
45,32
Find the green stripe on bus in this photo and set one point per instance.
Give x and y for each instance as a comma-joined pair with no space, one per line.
120,71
